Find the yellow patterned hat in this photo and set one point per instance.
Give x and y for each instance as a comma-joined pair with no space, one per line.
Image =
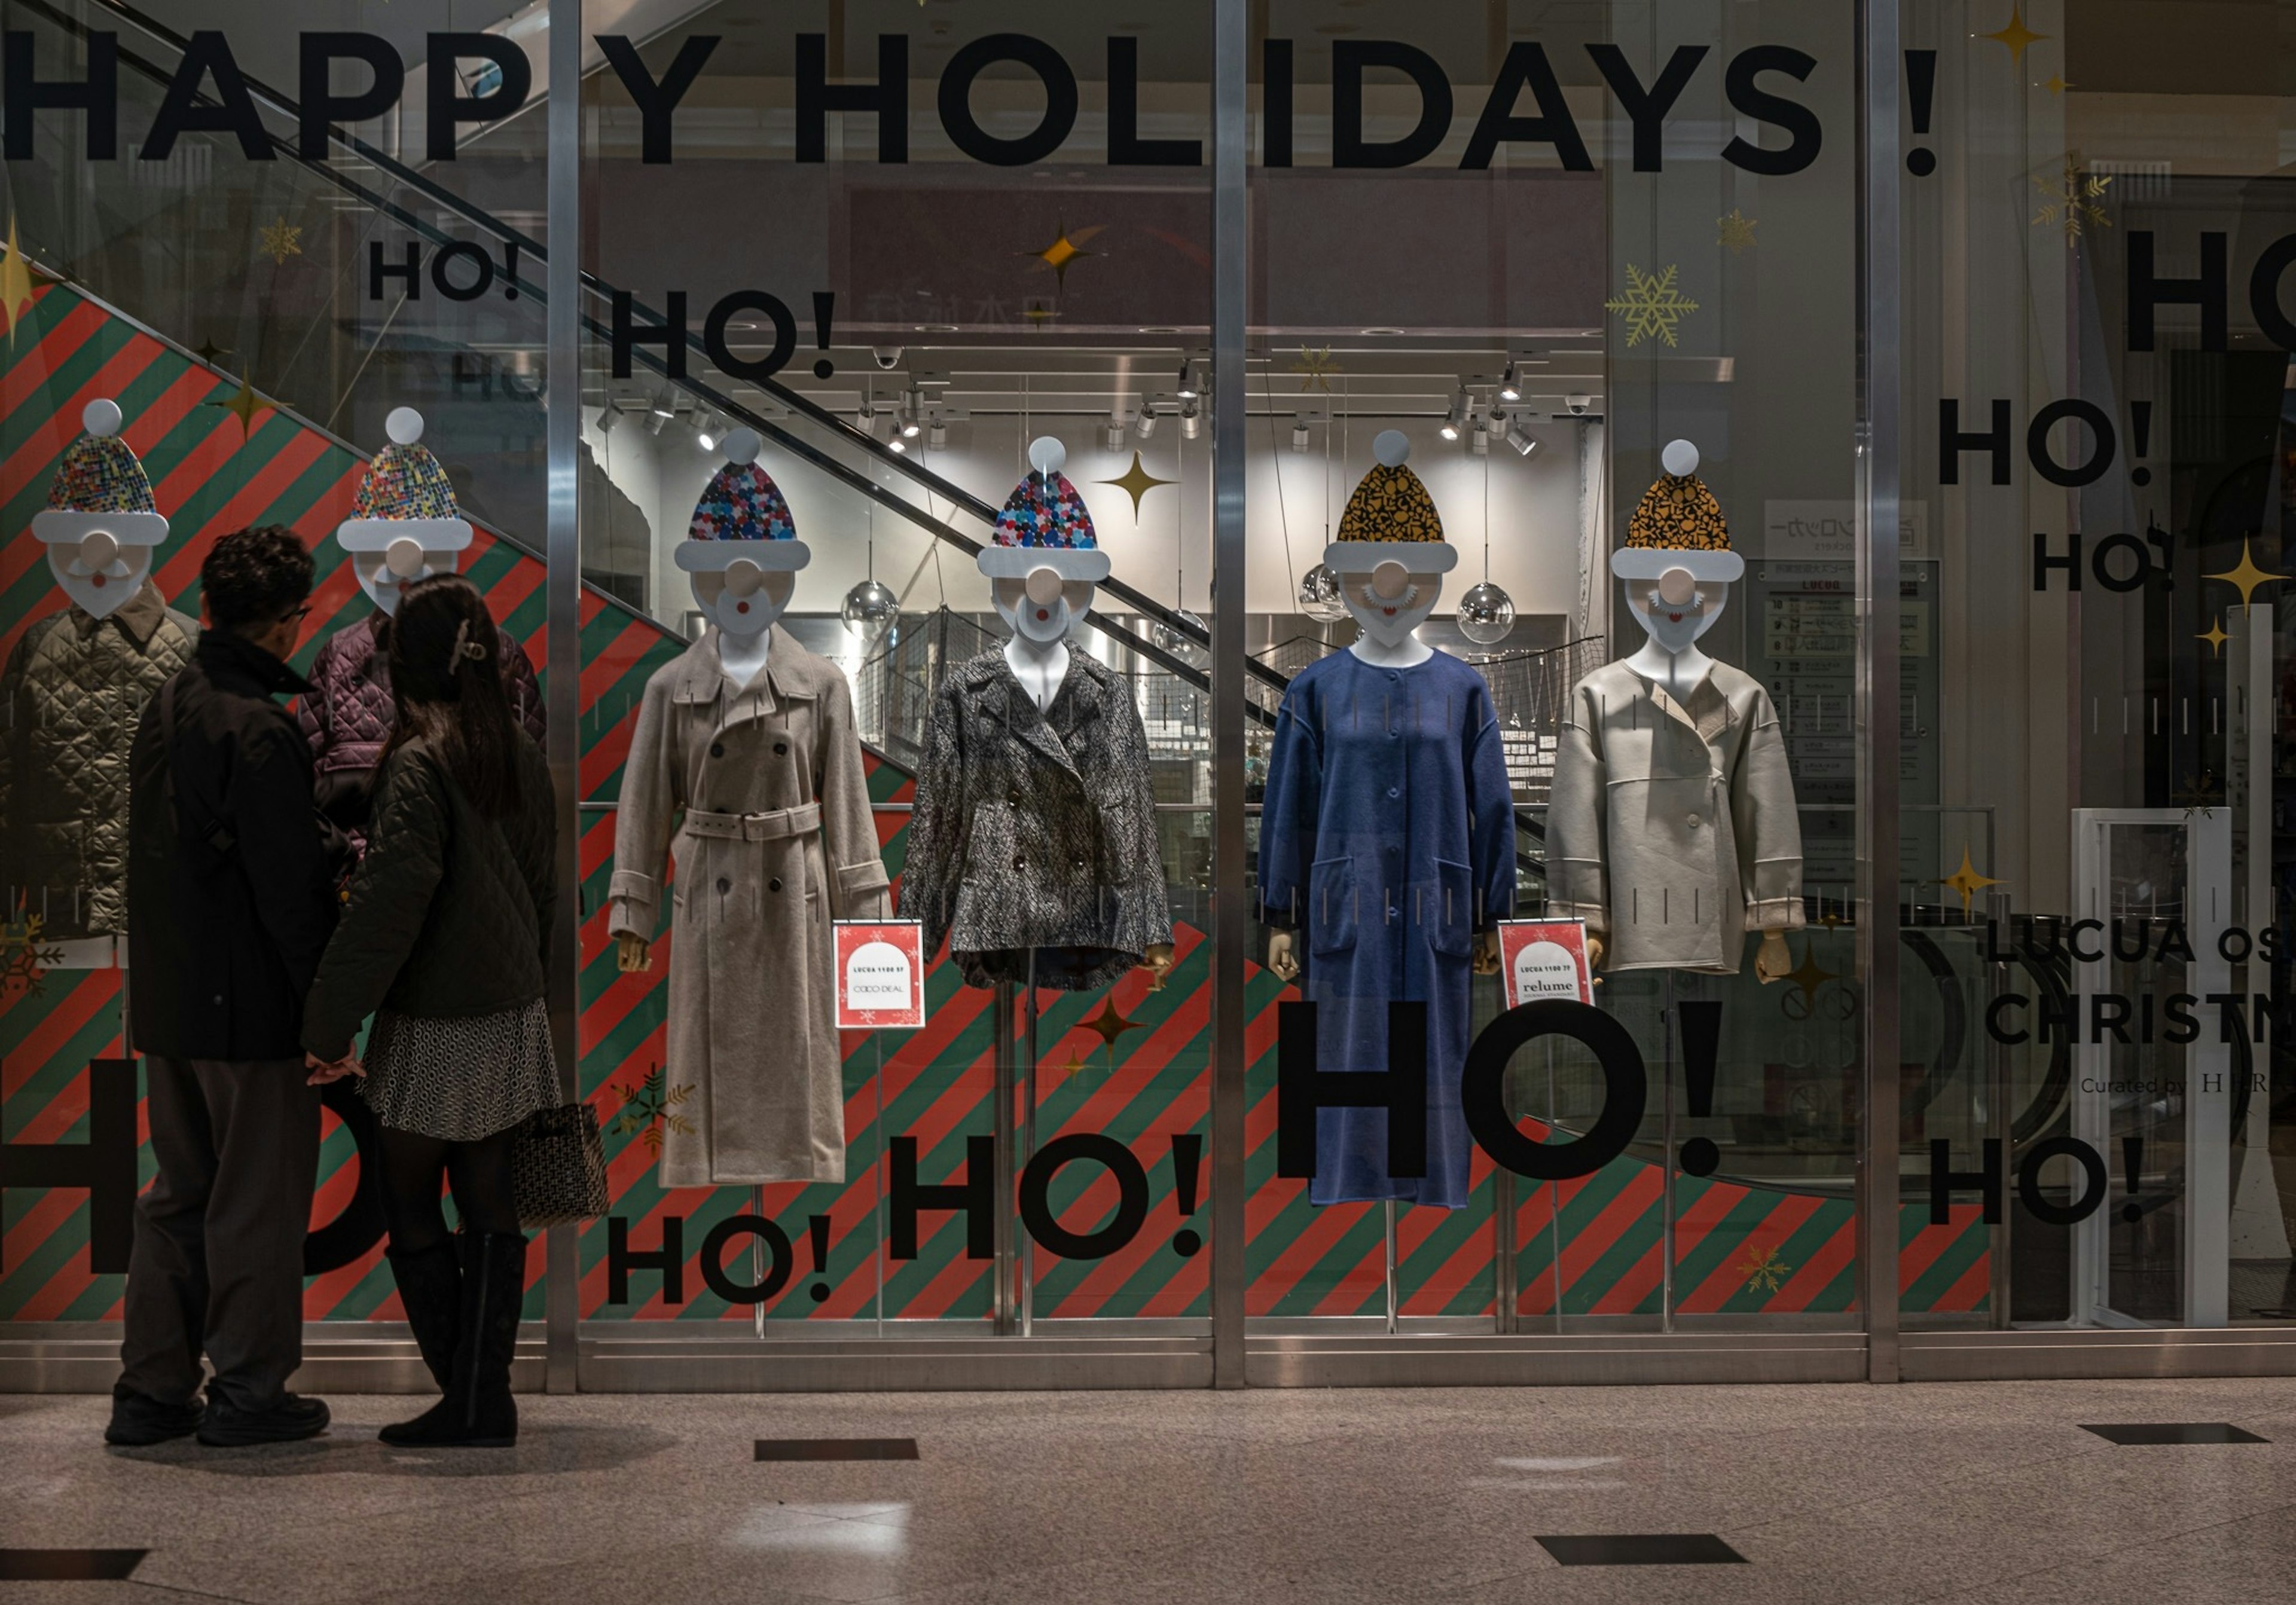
1678,524
1390,518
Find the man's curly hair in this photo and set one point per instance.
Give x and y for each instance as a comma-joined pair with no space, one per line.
253,577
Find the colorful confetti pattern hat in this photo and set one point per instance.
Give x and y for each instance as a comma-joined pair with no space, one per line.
740,516
1045,524
101,488
404,495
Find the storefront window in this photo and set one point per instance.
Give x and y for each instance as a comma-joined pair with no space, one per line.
2094,458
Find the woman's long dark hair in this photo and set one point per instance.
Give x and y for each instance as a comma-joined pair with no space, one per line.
446,688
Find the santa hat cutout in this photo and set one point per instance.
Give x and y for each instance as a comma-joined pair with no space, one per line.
101,500
1044,525
1678,524
742,516
1391,518
404,496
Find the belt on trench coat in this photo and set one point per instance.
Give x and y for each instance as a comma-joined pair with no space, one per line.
754,827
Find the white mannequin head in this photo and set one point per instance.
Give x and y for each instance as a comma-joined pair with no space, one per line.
391,552
742,586
100,559
1676,595
1041,592
1390,587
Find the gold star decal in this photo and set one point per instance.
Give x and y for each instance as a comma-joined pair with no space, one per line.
209,352
2017,37
244,405
2215,636
1039,312
1809,975
1764,1270
1136,482
1654,306
1315,369
1735,231
1061,254
1069,1071
2247,575
2057,83
1967,880
1109,1025
15,282
278,240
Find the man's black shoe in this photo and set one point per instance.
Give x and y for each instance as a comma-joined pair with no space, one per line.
293,1417
138,1419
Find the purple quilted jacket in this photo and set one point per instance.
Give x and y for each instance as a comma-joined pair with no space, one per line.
348,717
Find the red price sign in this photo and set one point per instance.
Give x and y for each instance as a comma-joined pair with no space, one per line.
880,975
1545,958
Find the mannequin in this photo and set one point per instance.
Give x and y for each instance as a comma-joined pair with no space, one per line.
1063,789
1389,603
1675,571
745,772
405,526
75,684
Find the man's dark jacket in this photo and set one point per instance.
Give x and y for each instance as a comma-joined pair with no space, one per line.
223,944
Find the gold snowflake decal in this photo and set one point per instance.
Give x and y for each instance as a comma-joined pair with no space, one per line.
1764,1270
1735,231
24,962
2073,200
279,240
1654,306
1315,369
649,1106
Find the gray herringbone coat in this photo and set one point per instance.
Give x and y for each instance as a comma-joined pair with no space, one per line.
774,838
1036,831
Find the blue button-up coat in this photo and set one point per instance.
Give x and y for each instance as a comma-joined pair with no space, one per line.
1387,841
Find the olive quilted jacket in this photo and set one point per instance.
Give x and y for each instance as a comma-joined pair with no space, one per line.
70,697
449,912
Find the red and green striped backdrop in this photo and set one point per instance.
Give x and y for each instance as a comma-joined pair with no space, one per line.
935,1085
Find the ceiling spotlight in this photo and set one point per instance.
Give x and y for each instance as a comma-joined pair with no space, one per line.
609,415
1453,420
1192,420
709,433
1299,433
910,427
1511,387
1187,391
1146,427
937,436
897,445
1113,435
1523,444
1479,439
664,402
865,420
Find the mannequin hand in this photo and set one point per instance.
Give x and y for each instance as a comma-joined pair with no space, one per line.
1487,953
1280,958
1158,965
633,954
1594,953
1775,962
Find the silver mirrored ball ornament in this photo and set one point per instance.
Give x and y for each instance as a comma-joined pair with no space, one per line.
1319,595
871,604
1486,614
1179,643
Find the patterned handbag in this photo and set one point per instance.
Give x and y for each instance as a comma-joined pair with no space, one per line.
558,1168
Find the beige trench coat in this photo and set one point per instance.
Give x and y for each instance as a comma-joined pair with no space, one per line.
774,840
1672,830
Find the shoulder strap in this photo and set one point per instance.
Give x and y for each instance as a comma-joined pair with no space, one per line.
203,824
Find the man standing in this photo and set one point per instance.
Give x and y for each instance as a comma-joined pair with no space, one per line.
230,901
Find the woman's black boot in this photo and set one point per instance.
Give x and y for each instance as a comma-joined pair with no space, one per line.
478,1411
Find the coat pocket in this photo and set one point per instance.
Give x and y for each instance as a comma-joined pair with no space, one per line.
1447,913
1332,912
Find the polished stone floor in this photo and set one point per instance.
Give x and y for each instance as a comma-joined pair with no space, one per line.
1961,1492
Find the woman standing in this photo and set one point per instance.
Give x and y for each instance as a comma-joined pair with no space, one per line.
444,941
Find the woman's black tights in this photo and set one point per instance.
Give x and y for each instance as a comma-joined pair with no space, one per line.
485,1196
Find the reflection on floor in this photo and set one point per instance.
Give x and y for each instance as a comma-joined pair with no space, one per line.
1979,1492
